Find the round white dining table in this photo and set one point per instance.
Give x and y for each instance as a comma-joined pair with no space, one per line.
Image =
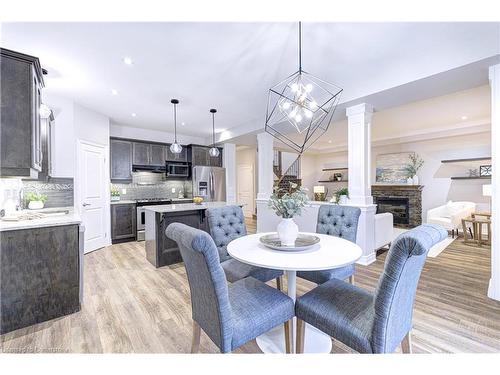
331,252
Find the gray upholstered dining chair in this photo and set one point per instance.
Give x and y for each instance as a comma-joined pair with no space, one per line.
379,322
226,224
230,315
339,221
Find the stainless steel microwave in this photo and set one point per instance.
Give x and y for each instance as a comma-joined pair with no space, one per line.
181,170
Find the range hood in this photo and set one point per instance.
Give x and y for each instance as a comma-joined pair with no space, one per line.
148,168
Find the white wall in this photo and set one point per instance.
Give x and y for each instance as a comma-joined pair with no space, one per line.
438,190
117,130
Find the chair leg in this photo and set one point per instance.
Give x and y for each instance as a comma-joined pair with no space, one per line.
301,331
288,338
351,279
279,283
195,343
406,344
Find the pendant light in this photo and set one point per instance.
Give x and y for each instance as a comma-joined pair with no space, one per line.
214,151
175,147
300,108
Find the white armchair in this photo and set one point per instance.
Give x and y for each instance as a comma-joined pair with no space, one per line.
384,229
450,215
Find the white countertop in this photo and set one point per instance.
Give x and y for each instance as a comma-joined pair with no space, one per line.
49,221
186,206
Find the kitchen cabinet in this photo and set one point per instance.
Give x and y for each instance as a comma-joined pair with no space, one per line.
141,153
21,83
181,157
40,275
158,155
123,222
120,160
200,156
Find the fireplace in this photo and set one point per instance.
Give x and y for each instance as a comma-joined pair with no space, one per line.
399,207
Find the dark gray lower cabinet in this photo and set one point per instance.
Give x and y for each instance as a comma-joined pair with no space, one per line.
160,250
39,273
123,222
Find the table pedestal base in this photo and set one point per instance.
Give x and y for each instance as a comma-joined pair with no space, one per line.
315,342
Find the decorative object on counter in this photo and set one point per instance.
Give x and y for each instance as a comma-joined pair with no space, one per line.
320,193
35,201
391,168
115,194
413,166
175,147
288,203
472,172
485,170
300,108
342,195
337,177
198,200
333,199
214,151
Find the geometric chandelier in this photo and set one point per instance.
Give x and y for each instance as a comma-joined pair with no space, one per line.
300,108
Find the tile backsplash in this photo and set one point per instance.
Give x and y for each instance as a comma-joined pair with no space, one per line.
154,185
59,192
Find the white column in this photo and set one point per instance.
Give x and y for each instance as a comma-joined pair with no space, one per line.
359,122
359,176
494,287
229,162
265,165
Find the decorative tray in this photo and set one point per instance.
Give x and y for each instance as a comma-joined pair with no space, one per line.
303,242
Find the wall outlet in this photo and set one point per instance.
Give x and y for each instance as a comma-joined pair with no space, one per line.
173,190
124,191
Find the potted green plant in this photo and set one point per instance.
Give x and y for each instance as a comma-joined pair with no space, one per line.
288,203
35,201
342,195
413,166
115,193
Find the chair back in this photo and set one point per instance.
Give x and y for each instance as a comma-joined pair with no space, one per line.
395,294
207,282
339,221
226,224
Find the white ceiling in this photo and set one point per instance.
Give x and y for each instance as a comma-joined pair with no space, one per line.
230,66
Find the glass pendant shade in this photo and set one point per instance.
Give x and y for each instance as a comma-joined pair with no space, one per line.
175,148
214,152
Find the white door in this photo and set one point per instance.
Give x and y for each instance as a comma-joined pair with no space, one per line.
91,194
245,188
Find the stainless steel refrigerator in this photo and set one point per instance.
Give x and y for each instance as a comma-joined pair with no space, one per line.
209,183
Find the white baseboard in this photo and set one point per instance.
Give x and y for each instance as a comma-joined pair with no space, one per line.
366,260
493,293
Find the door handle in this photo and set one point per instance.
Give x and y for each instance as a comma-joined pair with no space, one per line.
85,204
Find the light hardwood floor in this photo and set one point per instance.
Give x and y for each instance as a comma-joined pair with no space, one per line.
130,306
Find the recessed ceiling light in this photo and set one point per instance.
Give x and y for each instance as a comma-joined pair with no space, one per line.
464,117
128,61
114,92
183,123
134,114
329,141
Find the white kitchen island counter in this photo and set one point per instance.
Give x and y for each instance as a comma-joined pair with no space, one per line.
186,207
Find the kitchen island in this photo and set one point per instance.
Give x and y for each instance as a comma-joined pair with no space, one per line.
160,250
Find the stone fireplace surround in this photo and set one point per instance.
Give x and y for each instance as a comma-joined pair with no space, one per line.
412,192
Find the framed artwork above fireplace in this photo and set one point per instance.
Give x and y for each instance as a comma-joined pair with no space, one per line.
390,168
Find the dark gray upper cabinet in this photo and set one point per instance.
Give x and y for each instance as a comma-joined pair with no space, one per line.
121,160
182,157
21,82
123,222
142,153
158,155
200,156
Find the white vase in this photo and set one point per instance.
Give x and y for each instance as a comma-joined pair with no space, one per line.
343,199
35,205
415,180
287,232
409,181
